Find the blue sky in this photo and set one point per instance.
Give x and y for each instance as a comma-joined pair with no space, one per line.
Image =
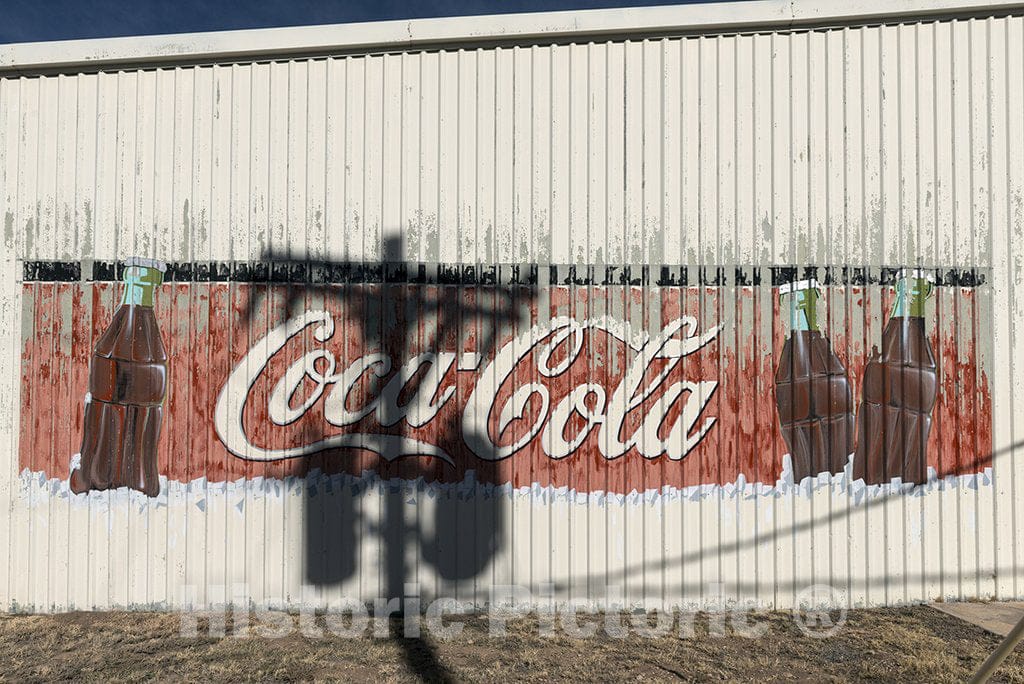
35,20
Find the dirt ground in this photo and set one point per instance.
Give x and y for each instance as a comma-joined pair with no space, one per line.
900,644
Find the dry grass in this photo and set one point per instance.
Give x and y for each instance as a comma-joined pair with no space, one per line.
898,644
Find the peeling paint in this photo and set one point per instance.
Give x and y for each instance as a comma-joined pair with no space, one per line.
201,229
9,230
30,236
185,247
85,245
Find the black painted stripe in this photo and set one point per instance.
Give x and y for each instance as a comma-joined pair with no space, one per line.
327,273
58,271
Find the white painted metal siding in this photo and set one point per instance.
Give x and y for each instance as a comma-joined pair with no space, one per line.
875,145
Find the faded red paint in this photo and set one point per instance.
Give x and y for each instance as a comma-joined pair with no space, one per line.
209,328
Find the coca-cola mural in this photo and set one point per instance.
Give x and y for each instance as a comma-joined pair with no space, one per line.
610,379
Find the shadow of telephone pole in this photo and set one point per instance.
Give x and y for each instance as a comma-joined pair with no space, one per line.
396,321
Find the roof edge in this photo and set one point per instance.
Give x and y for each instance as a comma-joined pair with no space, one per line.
269,43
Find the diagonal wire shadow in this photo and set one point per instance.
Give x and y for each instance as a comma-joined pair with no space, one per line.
792,528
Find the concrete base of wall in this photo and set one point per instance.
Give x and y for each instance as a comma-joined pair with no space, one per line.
997,617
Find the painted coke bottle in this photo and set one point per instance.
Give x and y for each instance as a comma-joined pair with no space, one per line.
812,391
900,388
127,384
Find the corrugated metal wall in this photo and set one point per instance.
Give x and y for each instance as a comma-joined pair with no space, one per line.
708,169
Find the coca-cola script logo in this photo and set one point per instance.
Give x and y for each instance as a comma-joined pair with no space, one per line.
557,385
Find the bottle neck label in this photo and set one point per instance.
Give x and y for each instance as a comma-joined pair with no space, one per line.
911,296
139,283
801,309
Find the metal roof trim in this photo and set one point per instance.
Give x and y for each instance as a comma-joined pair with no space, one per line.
271,43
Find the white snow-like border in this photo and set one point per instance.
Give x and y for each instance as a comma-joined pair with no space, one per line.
38,487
